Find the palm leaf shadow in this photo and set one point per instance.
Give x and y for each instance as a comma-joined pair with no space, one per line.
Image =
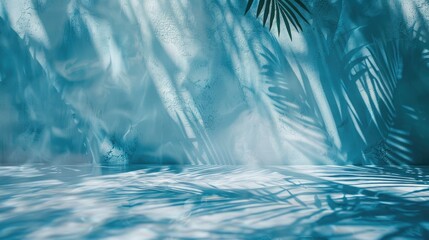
340,204
200,148
376,68
295,105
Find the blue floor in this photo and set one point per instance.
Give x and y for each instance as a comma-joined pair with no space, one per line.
218,202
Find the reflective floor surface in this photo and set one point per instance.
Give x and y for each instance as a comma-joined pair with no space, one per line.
217,202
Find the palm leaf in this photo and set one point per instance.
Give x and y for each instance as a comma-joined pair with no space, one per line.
290,12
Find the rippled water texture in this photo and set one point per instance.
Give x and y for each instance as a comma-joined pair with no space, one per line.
88,202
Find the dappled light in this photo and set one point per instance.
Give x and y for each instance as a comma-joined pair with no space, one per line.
214,202
161,82
214,119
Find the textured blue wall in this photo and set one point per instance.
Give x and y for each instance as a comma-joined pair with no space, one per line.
199,82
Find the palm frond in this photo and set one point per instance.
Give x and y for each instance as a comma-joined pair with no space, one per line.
289,12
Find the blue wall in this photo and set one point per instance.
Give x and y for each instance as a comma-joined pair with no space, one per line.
199,82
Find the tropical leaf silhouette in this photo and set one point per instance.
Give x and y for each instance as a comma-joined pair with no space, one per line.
288,12
295,106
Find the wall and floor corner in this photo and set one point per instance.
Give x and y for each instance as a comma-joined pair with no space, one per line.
100,98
